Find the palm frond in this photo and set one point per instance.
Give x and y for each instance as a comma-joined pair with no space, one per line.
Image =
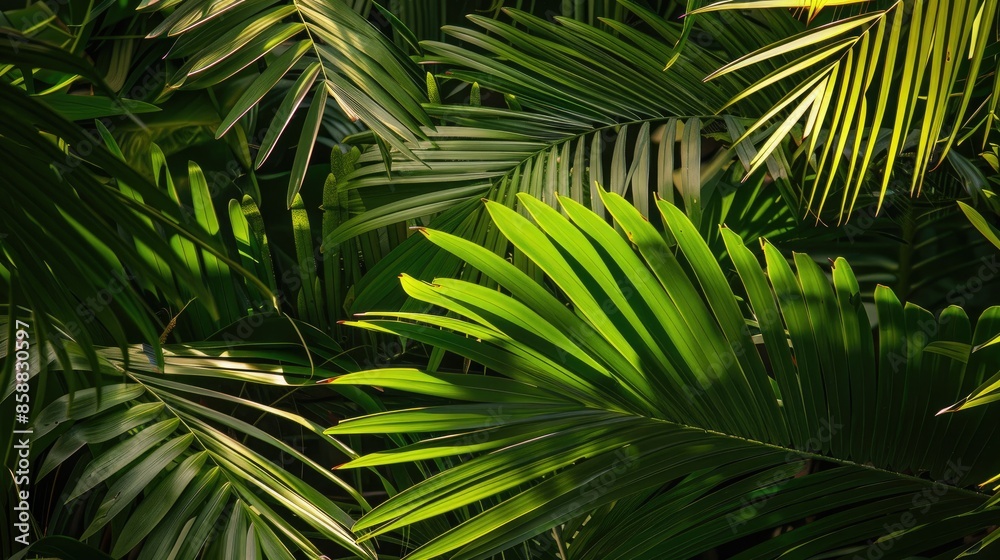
906,69
63,254
329,48
181,460
562,130
662,389
988,391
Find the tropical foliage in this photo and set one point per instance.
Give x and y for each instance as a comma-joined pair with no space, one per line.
653,400
589,279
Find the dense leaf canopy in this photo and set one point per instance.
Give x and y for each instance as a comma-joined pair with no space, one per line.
489,279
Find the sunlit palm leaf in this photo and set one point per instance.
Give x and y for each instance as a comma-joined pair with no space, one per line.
652,394
337,52
64,256
906,68
564,129
166,467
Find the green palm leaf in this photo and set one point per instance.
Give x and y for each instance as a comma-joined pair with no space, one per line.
63,255
176,457
564,128
988,391
658,398
910,70
339,52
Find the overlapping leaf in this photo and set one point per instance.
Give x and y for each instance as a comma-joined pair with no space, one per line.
165,470
63,255
565,126
881,88
335,52
652,394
